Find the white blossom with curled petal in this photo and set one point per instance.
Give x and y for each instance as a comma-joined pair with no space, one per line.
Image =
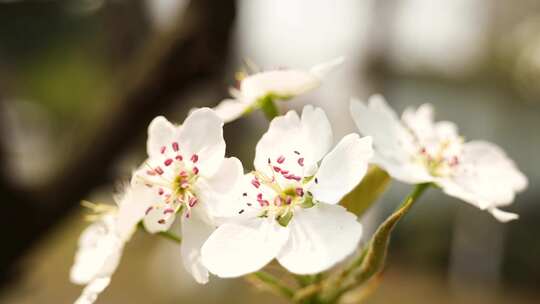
287,208
102,243
415,149
190,177
281,84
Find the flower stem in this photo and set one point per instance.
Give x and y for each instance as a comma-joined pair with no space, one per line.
308,294
305,280
170,236
370,261
165,234
309,288
269,108
274,284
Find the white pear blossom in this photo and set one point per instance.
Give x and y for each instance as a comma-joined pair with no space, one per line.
287,208
190,176
102,243
416,150
279,84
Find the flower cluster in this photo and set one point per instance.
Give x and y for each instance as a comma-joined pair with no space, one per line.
234,223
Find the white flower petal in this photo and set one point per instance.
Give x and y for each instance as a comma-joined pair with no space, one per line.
407,172
231,109
158,219
322,69
227,176
160,134
92,290
132,207
494,160
236,94
99,252
446,130
321,236
486,177
428,132
377,119
202,134
394,145
462,188
217,193
342,169
503,216
236,249
283,135
195,231
245,203
309,137
281,83
420,121
316,133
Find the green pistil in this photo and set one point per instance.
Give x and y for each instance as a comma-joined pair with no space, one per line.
433,166
179,180
288,192
286,213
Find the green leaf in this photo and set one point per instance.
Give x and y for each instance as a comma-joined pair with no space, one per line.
367,192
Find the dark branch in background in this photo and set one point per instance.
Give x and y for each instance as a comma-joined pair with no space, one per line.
173,65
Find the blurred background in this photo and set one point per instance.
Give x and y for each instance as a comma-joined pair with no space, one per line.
81,79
